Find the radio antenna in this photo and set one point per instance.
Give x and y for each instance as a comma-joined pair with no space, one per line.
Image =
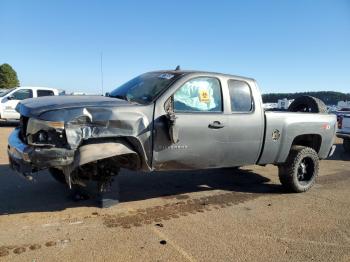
101,60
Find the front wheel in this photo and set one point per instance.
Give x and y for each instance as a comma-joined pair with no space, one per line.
346,145
299,172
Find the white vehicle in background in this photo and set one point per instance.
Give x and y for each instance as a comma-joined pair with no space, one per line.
344,131
11,97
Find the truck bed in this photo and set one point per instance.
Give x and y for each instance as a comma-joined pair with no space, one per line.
281,129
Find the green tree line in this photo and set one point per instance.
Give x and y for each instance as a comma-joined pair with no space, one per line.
328,97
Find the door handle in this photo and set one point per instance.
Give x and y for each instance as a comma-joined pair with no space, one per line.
216,125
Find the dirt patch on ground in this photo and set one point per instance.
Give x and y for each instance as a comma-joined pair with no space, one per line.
19,249
183,208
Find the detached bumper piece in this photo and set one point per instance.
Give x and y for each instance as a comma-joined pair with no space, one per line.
28,159
331,151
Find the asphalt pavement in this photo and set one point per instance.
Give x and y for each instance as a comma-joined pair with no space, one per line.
207,215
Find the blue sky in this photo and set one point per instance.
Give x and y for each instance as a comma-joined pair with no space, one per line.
286,45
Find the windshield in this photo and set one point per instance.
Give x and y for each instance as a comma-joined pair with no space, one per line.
5,92
145,88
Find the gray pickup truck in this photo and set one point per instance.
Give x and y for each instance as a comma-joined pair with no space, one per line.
168,120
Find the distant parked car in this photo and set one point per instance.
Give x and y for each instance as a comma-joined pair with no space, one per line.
11,97
341,112
344,131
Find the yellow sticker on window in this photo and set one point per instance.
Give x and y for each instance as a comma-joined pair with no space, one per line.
204,96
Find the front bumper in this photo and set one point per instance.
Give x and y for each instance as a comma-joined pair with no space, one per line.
27,159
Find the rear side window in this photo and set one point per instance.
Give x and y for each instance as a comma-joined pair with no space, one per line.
241,97
22,94
45,93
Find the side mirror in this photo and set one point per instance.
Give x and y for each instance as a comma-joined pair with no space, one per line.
171,121
107,94
10,97
173,128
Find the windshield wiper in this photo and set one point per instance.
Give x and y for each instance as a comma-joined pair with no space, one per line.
122,97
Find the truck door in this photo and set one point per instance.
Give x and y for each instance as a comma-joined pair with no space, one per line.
246,123
202,128
10,102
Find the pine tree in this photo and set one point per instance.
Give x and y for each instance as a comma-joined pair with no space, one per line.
8,76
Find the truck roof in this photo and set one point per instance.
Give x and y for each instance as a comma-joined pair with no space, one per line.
187,72
37,87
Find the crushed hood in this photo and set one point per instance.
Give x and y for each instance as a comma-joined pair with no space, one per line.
37,106
88,117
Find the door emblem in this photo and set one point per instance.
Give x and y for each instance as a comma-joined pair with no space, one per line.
276,135
163,147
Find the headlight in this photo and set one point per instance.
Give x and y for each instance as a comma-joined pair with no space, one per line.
46,133
35,125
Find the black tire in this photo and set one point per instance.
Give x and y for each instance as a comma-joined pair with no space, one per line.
299,172
346,145
308,104
58,175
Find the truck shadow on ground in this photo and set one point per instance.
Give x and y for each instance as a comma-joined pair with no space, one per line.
18,195
175,184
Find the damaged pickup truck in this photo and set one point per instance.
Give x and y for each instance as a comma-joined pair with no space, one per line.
168,120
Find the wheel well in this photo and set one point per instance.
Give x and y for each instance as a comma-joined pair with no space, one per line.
310,140
125,160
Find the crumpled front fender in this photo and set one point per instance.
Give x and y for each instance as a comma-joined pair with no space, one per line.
97,151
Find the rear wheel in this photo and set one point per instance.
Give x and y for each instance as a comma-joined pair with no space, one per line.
299,172
346,145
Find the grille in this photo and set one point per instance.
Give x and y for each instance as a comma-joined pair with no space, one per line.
23,122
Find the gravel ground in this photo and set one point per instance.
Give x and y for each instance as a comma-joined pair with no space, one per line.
216,215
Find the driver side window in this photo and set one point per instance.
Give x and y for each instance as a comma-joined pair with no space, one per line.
202,94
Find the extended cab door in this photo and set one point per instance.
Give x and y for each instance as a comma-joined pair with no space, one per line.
201,123
10,102
246,122
44,92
